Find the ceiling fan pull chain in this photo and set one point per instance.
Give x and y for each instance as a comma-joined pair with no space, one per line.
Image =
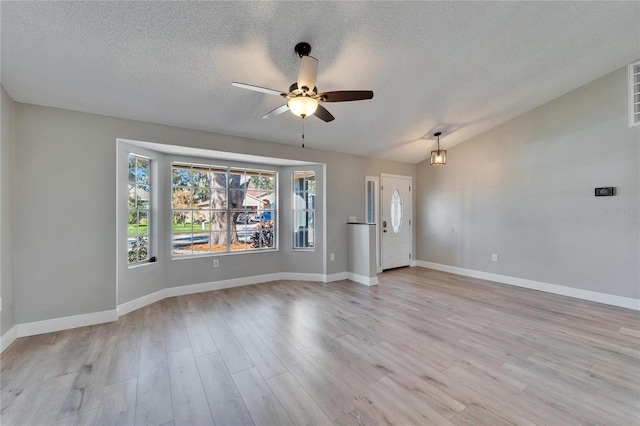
303,132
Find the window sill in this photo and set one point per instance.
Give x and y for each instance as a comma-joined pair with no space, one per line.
140,265
230,253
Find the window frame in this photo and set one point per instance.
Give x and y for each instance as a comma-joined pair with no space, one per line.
306,210
229,210
148,210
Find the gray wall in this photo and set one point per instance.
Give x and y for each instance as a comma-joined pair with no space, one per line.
65,161
7,110
525,190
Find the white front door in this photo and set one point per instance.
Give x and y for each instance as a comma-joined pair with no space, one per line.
396,221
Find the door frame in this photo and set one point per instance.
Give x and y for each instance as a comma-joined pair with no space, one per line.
412,260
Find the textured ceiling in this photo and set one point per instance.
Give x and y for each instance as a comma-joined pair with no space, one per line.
458,67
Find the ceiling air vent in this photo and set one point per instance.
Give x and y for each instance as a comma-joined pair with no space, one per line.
634,94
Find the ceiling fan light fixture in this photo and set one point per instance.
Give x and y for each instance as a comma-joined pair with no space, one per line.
439,156
302,106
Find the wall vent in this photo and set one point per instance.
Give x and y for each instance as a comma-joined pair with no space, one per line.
634,94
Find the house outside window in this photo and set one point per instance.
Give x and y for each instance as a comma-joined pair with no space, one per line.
220,209
304,195
139,209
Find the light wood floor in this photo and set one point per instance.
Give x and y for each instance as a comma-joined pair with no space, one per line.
424,347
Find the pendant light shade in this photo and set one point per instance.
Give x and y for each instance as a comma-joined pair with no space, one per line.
303,106
439,156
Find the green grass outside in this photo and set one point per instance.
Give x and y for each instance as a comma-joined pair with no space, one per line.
131,230
178,228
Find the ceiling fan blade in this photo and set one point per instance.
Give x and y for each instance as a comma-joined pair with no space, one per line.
308,72
345,95
258,89
276,111
323,114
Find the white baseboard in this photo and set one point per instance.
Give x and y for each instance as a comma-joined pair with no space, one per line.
361,279
335,277
65,323
300,276
592,296
141,302
219,285
8,338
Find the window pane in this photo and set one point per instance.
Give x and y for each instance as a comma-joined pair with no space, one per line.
182,198
201,220
244,233
265,236
236,198
396,211
181,176
218,242
143,222
200,177
218,178
303,219
182,221
218,199
201,242
181,245
143,248
142,171
218,220
132,170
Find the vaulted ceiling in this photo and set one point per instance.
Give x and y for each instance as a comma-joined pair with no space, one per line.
456,67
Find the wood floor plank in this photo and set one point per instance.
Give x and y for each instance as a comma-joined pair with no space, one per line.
83,418
234,355
302,409
118,404
263,405
86,391
226,404
190,405
335,402
175,332
125,360
153,397
265,361
199,337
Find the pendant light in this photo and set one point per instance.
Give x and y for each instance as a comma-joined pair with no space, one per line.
439,156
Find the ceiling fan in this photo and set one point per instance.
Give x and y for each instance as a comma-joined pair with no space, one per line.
303,96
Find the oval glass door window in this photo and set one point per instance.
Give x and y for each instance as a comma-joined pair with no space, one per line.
396,211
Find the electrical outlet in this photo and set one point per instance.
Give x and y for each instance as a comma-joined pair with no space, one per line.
353,219
216,263
332,256
494,257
